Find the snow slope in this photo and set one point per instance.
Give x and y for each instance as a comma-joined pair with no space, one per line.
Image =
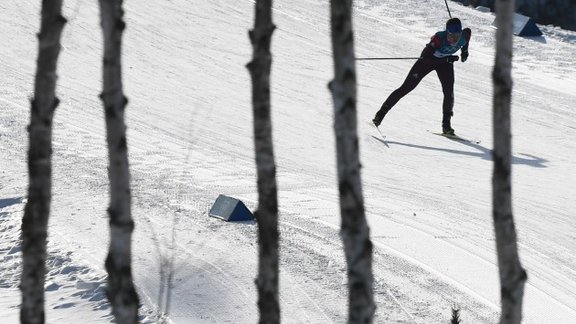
428,199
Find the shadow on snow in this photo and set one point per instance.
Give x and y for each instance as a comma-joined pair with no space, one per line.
10,201
483,152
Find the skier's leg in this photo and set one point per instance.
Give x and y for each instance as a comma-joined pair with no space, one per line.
418,71
446,75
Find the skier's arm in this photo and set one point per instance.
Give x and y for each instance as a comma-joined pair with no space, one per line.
467,34
427,54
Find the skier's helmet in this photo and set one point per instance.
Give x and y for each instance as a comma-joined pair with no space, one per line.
453,25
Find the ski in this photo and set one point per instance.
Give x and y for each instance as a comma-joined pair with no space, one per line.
457,138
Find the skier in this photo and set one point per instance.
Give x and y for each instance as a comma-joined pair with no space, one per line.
438,55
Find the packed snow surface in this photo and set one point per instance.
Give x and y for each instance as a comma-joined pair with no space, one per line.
189,118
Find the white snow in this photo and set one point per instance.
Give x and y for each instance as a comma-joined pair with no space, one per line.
189,117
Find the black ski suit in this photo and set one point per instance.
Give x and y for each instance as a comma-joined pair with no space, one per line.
427,63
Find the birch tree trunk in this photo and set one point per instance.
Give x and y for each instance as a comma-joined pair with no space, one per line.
267,212
512,275
121,292
354,231
37,210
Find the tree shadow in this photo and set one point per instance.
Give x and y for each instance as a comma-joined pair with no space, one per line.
482,152
10,201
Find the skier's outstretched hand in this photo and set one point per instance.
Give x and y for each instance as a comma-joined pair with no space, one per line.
464,56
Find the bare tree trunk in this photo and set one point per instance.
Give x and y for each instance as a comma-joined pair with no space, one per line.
512,275
355,231
120,290
37,211
267,212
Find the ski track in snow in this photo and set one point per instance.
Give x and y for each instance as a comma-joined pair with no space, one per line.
427,199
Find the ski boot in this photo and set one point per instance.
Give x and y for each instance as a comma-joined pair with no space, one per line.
448,131
377,120
446,127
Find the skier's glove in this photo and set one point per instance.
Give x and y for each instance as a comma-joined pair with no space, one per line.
464,56
452,58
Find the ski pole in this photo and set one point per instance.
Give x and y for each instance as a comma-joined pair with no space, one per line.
449,14
386,58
